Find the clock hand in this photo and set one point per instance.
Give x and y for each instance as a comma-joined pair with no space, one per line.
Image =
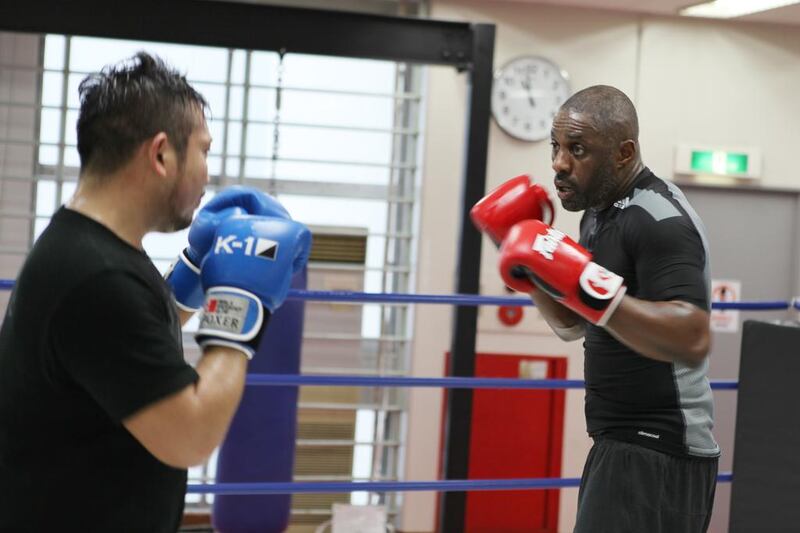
527,86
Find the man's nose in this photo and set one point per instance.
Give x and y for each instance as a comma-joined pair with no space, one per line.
561,162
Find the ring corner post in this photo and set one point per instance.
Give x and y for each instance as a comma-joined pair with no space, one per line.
458,416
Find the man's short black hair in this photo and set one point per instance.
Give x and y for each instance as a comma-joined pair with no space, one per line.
608,109
125,104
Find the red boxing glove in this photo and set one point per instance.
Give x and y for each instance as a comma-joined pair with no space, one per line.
516,200
562,268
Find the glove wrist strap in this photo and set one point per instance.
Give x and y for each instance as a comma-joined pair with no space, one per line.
183,277
232,317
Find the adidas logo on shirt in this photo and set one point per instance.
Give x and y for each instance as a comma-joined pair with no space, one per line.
622,204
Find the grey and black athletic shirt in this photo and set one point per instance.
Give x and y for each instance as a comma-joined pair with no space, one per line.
655,240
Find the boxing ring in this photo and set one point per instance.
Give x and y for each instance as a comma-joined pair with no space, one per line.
261,380
254,380
748,498
293,381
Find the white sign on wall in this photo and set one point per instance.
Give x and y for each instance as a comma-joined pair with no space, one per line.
725,290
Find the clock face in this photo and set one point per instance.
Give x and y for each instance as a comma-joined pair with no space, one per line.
526,94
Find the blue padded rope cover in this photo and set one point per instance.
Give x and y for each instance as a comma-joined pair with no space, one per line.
260,443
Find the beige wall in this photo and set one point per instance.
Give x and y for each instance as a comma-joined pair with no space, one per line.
19,56
722,84
693,81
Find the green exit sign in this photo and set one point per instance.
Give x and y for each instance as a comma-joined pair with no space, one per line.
728,162
719,162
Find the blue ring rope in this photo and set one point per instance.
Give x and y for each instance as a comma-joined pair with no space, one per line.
472,299
497,383
449,485
453,299
469,299
447,383
767,305
458,299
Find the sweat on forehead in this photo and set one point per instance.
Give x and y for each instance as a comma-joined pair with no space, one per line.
608,110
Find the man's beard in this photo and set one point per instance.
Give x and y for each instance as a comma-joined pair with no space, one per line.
180,221
174,218
600,193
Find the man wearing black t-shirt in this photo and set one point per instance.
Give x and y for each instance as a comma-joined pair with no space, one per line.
636,288
100,415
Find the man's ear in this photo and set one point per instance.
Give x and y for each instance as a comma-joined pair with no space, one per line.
627,152
160,154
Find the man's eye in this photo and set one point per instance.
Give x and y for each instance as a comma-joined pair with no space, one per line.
578,150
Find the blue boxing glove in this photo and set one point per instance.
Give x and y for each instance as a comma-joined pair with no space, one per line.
184,275
246,276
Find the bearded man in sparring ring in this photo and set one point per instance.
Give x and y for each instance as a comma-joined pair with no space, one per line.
100,416
636,288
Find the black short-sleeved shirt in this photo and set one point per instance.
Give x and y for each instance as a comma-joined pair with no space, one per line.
91,335
654,239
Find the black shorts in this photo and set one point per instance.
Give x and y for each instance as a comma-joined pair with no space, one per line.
627,488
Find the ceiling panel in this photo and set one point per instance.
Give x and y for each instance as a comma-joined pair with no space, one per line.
664,7
783,15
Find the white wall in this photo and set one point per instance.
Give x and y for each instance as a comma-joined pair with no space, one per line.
722,84
698,81
19,54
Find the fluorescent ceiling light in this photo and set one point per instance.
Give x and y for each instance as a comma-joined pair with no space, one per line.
733,8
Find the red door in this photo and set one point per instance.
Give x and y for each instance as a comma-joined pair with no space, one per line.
516,434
